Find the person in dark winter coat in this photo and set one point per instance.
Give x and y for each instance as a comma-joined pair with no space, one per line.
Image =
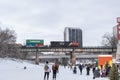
96,73
75,70
80,68
88,69
108,69
93,69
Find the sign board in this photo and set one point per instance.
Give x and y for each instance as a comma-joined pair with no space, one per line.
103,59
34,43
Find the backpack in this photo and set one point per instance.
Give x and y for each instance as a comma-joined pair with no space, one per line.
46,67
55,67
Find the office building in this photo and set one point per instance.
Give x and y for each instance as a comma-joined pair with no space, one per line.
73,35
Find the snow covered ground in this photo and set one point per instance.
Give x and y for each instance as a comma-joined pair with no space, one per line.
11,69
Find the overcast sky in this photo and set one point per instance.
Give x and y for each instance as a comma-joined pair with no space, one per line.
46,19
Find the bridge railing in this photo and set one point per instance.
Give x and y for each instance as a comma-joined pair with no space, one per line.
62,49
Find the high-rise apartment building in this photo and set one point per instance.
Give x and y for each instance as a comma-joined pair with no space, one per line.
73,34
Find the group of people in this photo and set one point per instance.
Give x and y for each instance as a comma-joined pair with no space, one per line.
47,70
103,71
97,72
80,66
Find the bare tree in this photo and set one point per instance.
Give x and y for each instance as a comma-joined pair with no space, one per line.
8,46
109,40
7,37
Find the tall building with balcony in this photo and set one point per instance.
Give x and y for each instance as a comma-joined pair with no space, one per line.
74,35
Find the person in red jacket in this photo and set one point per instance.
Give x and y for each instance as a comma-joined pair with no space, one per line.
55,70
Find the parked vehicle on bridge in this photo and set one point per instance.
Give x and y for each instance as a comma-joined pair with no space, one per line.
63,44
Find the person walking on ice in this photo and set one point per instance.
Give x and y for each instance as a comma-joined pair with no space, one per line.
80,66
46,71
55,70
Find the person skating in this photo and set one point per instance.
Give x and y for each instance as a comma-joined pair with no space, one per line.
80,68
96,73
74,70
88,69
46,71
108,69
55,70
103,71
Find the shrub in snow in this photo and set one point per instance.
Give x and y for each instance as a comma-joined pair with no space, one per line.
114,74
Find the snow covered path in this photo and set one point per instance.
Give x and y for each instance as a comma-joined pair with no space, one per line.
13,70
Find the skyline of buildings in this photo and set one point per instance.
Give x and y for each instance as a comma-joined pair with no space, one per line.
74,35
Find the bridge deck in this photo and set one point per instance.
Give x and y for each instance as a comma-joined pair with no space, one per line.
75,49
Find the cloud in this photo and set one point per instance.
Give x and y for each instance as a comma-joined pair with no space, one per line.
46,19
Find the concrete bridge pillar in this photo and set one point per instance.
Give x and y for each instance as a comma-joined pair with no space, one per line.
37,58
72,58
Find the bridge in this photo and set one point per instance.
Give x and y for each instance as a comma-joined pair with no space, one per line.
70,50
